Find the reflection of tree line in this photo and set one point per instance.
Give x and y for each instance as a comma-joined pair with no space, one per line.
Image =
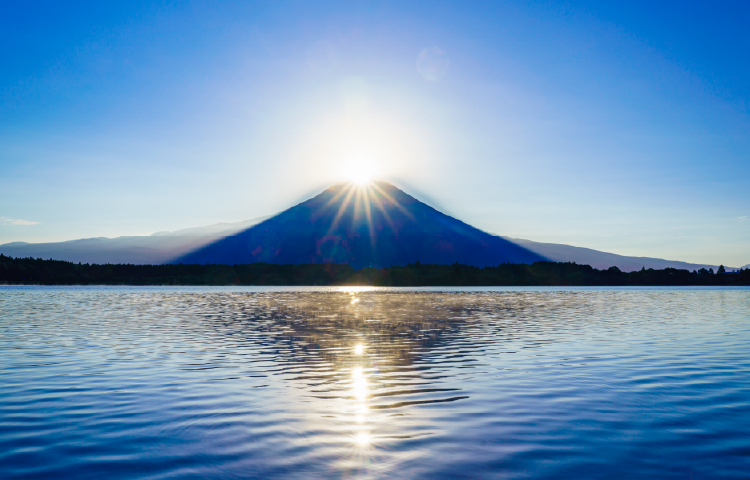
410,340
396,329
321,330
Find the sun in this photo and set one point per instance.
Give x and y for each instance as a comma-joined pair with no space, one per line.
361,178
359,172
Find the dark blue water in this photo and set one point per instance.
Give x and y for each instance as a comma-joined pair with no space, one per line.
324,383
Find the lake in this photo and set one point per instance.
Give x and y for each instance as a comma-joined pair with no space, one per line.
259,382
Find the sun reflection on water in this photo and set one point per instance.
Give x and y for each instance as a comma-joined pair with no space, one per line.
360,392
359,388
364,349
362,438
364,338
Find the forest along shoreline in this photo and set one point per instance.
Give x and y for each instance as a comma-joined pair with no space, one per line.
30,271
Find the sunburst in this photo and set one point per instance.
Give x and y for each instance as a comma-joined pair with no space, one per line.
359,197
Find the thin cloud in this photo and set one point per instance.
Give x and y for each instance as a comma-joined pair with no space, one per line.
15,222
744,217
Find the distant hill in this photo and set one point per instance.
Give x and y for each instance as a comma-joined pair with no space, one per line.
161,247
165,247
601,260
136,250
215,230
374,225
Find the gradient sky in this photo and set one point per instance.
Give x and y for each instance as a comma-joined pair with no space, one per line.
624,128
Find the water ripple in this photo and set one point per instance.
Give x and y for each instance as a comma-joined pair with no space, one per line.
372,383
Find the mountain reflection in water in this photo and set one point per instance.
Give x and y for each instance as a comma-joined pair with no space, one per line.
372,383
359,348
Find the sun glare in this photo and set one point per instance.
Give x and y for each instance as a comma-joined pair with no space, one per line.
362,439
360,172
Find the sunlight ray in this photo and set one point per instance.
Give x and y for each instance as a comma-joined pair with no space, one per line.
343,191
382,209
368,212
358,203
346,190
393,200
341,211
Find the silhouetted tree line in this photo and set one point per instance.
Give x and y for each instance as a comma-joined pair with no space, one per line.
55,272
541,274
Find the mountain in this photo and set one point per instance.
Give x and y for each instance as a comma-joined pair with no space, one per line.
372,225
165,247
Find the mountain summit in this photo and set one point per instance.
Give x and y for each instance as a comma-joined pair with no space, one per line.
363,225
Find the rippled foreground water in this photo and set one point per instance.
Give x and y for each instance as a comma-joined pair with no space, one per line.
256,382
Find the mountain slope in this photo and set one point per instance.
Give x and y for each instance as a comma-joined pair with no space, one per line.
376,225
558,252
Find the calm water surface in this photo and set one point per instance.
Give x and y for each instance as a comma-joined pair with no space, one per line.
374,383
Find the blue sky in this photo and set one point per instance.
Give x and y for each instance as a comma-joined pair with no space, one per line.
623,128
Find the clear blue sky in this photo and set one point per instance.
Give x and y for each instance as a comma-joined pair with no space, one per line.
621,128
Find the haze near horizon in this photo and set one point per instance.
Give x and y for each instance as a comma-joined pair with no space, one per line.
618,128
